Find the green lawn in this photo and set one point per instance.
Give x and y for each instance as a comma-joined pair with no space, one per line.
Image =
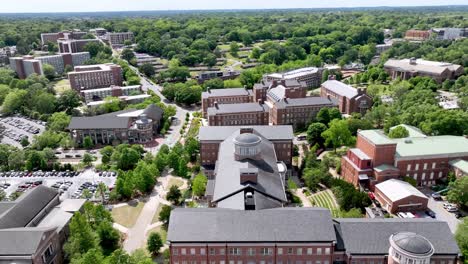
156,214
194,127
62,85
127,215
176,182
325,199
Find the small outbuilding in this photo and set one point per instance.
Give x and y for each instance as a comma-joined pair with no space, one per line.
399,196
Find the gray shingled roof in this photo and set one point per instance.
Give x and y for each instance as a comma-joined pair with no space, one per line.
340,88
27,207
289,82
237,108
306,101
227,183
21,241
271,225
220,133
371,236
226,92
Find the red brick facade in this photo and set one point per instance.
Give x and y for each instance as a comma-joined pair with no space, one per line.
357,104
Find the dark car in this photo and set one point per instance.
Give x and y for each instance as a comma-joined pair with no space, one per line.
436,196
430,213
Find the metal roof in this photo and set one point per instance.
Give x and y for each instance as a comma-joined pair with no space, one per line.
271,225
306,101
237,108
340,88
22,241
460,164
434,67
226,92
396,190
220,133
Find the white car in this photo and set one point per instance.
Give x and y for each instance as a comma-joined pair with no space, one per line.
402,215
410,215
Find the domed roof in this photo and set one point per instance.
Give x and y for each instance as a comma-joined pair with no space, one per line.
247,139
413,243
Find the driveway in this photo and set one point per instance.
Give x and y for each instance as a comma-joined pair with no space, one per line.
443,215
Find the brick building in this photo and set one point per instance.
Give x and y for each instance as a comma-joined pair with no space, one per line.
311,76
238,114
298,111
74,45
119,38
349,99
53,37
95,76
276,90
34,228
126,126
225,96
417,35
408,68
303,235
115,91
459,167
377,158
399,196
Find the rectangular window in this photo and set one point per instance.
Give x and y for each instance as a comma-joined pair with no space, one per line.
326,262
432,175
235,251
423,176
280,251
212,251
425,166
327,251
202,251
408,167
251,252
440,174
290,251
175,251
184,251
319,251
433,165
415,176
192,251
222,251
417,166
318,262
299,251
309,251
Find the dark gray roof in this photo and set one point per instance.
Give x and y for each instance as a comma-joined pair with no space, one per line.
247,139
237,108
4,206
306,101
340,88
228,190
111,120
226,92
371,236
21,241
288,83
27,207
412,243
220,133
271,225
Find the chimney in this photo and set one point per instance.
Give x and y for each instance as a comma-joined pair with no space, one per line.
216,105
412,61
208,89
260,101
331,77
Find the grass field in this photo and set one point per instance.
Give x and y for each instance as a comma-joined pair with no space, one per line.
62,85
127,215
156,214
194,127
176,182
326,200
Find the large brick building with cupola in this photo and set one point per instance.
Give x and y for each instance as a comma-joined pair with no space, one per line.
377,157
304,236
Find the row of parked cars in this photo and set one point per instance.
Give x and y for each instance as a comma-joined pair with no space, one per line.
452,208
414,215
39,174
28,185
107,174
62,186
18,123
91,187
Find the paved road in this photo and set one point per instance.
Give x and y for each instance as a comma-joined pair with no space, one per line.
443,215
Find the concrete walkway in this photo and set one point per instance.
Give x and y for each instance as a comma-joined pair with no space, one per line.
137,235
121,228
305,201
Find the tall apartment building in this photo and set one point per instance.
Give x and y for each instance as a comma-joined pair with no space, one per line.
311,76
276,90
349,99
98,31
408,68
298,111
95,76
417,35
450,33
53,37
225,96
304,235
119,38
377,158
238,114
73,45
34,228
27,65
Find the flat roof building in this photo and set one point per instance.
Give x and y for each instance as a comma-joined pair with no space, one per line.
95,76
417,35
116,91
349,99
53,37
408,68
225,96
284,235
378,158
73,45
399,196
126,126
238,114
311,76
119,38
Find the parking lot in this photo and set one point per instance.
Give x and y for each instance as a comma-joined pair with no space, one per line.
70,184
15,128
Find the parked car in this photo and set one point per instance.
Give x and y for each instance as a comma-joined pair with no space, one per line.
402,215
452,209
436,196
430,213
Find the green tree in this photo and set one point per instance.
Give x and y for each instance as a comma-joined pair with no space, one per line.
147,69
199,185
458,191
35,160
16,160
106,153
108,237
45,103
49,71
87,159
81,239
68,100
154,243
398,132
461,235
127,54
174,194
338,134
165,214
58,121
2,195
24,142
234,48
210,60
314,133
13,101
88,142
